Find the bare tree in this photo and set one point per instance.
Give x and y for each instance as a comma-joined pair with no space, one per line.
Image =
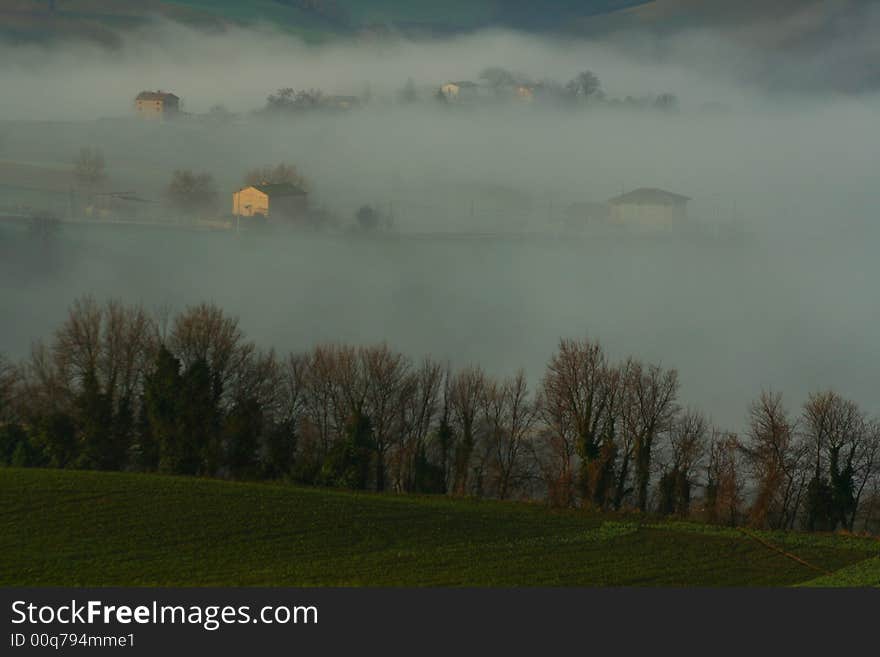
420,407
498,77
388,385
323,418
9,383
77,345
867,471
192,192
775,458
205,333
648,411
841,442
278,174
577,394
687,445
585,85
509,415
127,350
465,395
724,482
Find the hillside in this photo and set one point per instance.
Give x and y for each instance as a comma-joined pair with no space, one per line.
105,20
89,528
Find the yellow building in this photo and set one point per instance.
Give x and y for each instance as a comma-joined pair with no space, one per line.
524,92
156,104
464,90
279,201
648,208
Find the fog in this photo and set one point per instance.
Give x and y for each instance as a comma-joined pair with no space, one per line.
773,284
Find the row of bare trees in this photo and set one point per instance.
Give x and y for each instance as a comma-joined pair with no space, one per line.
119,388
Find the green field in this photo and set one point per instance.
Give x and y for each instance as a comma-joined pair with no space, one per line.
88,528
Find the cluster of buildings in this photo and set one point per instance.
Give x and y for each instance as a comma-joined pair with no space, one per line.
465,91
643,208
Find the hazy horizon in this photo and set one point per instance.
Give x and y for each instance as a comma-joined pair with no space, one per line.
793,168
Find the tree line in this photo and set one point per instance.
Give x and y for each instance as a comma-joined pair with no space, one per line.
118,388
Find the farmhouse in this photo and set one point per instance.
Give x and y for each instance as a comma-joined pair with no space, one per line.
278,201
463,90
648,208
156,104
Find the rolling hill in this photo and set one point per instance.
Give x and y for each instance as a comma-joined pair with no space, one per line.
105,20
88,528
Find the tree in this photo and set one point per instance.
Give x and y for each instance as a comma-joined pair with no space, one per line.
161,443
388,385
9,382
94,417
649,411
687,440
578,399
465,396
88,167
775,458
199,448
367,218
724,483
278,174
842,451
288,99
205,333
281,439
413,464
242,432
585,86
347,465
509,415
498,77
192,192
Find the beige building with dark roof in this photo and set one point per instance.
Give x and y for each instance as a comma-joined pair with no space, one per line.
279,201
649,208
156,104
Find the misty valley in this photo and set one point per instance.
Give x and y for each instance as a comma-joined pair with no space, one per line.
591,303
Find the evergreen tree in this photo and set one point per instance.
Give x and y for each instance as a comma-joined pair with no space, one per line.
199,450
241,431
94,414
348,463
159,434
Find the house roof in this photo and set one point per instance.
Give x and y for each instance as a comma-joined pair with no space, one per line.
280,189
649,196
156,95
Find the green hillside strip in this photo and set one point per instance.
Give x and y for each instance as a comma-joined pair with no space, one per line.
89,528
863,573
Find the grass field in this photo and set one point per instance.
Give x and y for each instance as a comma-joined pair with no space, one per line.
89,528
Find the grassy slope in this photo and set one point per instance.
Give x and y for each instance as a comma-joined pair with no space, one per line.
85,528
